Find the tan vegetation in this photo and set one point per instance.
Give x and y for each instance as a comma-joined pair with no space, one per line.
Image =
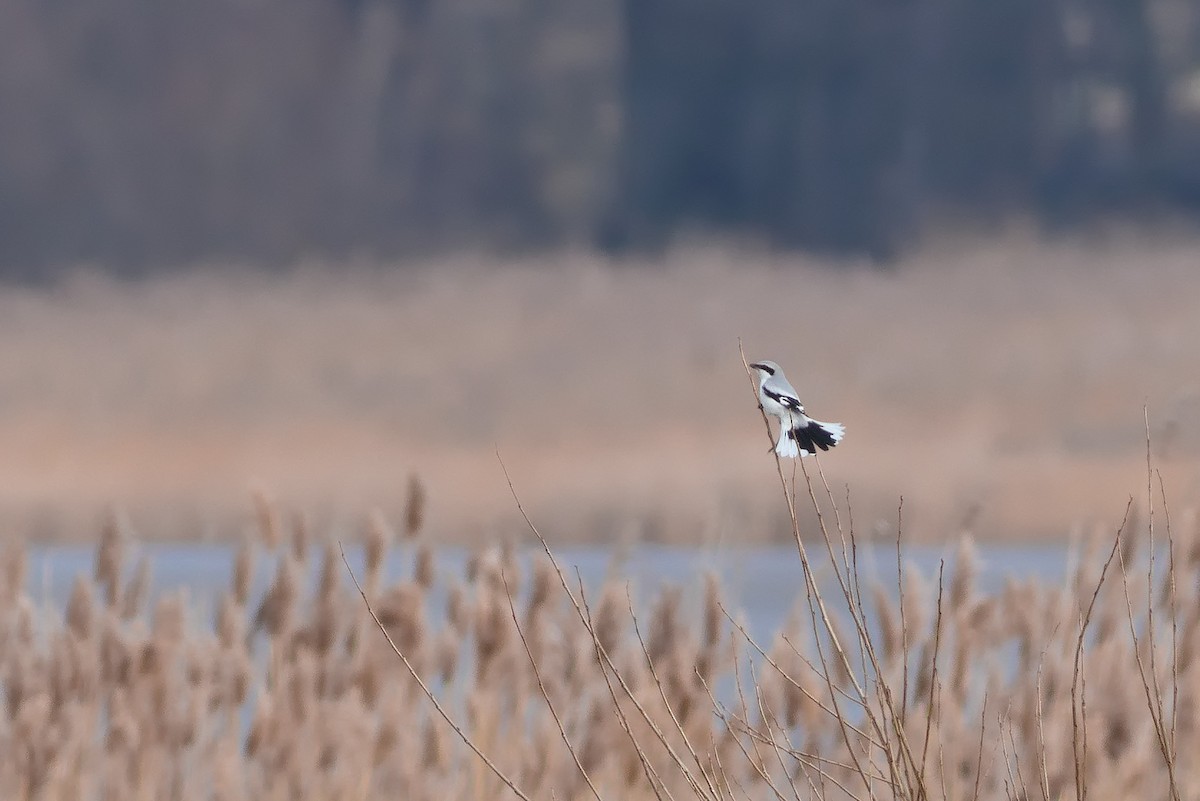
998,388
527,684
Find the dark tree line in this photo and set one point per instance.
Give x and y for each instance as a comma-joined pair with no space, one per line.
142,133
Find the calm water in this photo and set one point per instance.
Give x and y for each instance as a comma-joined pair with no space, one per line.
763,583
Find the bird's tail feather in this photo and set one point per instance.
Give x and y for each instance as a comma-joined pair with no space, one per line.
813,434
786,447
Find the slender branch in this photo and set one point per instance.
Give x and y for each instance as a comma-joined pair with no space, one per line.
462,735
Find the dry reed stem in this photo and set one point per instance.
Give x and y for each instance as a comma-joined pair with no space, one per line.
1174,613
922,792
774,742
791,680
1150,686
582,609
545,696
1078,692
657,785
979,760
1043,775
757,760
666,702
425,689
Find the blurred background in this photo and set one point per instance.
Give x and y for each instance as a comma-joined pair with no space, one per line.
314,248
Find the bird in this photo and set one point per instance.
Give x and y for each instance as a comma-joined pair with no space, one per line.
799,434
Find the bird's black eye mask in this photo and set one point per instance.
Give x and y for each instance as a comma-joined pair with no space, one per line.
764,368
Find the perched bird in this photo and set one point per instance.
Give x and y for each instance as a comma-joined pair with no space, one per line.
799,434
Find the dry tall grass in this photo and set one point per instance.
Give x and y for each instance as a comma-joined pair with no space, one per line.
527,684
997,386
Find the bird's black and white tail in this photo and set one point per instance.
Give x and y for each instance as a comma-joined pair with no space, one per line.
807,438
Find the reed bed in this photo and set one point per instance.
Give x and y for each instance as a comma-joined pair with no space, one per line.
523,682
281,381
516,680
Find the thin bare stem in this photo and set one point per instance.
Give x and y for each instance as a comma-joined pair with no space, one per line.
537,674
1078,693
462,735
662,693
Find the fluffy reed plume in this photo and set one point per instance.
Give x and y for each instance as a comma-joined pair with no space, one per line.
301,538
109,559
136,589
424,571
14,566
268,521
243,570
401,609
378,541
80,613
277,609
414,508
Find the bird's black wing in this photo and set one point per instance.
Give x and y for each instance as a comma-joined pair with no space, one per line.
787,401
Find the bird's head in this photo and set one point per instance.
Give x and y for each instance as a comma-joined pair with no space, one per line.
765,369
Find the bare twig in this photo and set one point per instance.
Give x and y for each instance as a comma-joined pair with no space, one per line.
1078,694
537,674
462,735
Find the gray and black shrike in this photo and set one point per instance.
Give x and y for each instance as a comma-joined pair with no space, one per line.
799,434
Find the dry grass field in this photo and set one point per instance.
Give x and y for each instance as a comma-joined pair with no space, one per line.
999,388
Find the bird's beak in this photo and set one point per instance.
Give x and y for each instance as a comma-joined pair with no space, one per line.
758,366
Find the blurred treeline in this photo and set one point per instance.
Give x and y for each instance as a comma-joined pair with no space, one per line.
150,132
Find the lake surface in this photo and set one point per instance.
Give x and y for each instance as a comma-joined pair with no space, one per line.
763,583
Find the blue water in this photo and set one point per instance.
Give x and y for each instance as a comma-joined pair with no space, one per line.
763,584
